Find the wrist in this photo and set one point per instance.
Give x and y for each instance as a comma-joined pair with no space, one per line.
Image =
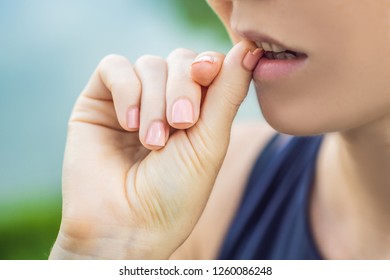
133,245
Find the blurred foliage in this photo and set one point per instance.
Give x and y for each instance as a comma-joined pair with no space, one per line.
28,228
199,15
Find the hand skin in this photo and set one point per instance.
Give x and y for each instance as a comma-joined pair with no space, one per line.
124,198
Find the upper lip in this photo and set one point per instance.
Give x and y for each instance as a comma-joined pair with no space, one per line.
260,38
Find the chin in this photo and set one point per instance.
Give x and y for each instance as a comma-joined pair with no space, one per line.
295,128
296,121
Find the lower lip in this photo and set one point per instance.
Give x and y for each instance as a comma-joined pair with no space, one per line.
274,69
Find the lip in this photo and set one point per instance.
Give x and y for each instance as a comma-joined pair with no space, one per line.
255,36
268,70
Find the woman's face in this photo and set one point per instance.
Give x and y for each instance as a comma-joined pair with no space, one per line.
344,81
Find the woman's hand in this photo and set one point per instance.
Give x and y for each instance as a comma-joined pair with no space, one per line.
144,147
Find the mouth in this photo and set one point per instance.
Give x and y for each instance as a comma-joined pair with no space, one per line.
274,51
278,62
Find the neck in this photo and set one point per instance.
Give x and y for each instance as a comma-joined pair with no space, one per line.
352,191
364,163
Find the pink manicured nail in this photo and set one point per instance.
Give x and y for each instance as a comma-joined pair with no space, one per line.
133,118
156,134
204,58
182,111
251,58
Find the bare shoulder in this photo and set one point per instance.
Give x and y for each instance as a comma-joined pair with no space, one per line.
246,142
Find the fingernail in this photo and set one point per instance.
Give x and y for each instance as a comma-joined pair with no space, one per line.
133,118
251,58
156,134
182,111
204,58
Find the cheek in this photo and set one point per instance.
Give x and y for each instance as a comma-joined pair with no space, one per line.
329,95
346,82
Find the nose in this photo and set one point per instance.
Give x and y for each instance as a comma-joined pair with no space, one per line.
242,15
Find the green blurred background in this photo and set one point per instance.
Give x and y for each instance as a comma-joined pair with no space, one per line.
49,48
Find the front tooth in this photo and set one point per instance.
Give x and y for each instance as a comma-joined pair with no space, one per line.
267,47
276,48
258,44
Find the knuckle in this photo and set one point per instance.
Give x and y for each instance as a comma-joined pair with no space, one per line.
213,54
150,61
111,69
112,59
182,53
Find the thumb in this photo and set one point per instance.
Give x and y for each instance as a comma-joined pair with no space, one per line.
228,90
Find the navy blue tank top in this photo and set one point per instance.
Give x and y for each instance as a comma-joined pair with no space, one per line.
272,221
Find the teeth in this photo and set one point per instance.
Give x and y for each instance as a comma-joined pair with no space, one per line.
270,47
281,55
267,47
276,48
290,56
275,51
